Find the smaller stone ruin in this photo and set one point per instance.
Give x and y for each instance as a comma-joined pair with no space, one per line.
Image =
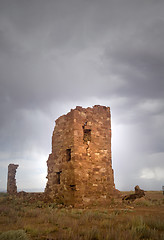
11,182
138,194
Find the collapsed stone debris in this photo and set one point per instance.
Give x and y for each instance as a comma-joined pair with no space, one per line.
11,182
138,194
80,165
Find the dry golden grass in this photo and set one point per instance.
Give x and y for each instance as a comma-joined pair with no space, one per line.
143,219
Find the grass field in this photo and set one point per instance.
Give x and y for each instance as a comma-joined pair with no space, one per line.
142,219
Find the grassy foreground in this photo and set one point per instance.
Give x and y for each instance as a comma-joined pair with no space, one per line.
142,219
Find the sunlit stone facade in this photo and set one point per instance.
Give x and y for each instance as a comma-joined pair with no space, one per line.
80,165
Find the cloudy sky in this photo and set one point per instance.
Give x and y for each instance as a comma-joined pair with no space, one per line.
59,54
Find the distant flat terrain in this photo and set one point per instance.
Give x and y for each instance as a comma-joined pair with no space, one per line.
141,219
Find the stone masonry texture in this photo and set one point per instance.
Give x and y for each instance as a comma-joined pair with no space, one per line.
80,165
11,183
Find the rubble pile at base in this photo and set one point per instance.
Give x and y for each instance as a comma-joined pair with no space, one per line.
138,194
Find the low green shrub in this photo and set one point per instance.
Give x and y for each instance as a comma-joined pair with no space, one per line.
144,203
14,235
156,224
3,194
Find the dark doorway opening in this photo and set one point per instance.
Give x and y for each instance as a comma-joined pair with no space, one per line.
68,155
58,177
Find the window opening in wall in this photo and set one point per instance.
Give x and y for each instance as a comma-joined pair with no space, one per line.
87,135
68,155
58,177
73,187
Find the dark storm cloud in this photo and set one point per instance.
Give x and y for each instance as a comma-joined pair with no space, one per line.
55,55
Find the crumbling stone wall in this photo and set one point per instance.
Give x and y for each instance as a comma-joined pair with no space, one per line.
11,182
139,193
80,165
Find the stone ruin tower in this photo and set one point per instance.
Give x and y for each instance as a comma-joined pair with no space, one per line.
11,181
80,165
